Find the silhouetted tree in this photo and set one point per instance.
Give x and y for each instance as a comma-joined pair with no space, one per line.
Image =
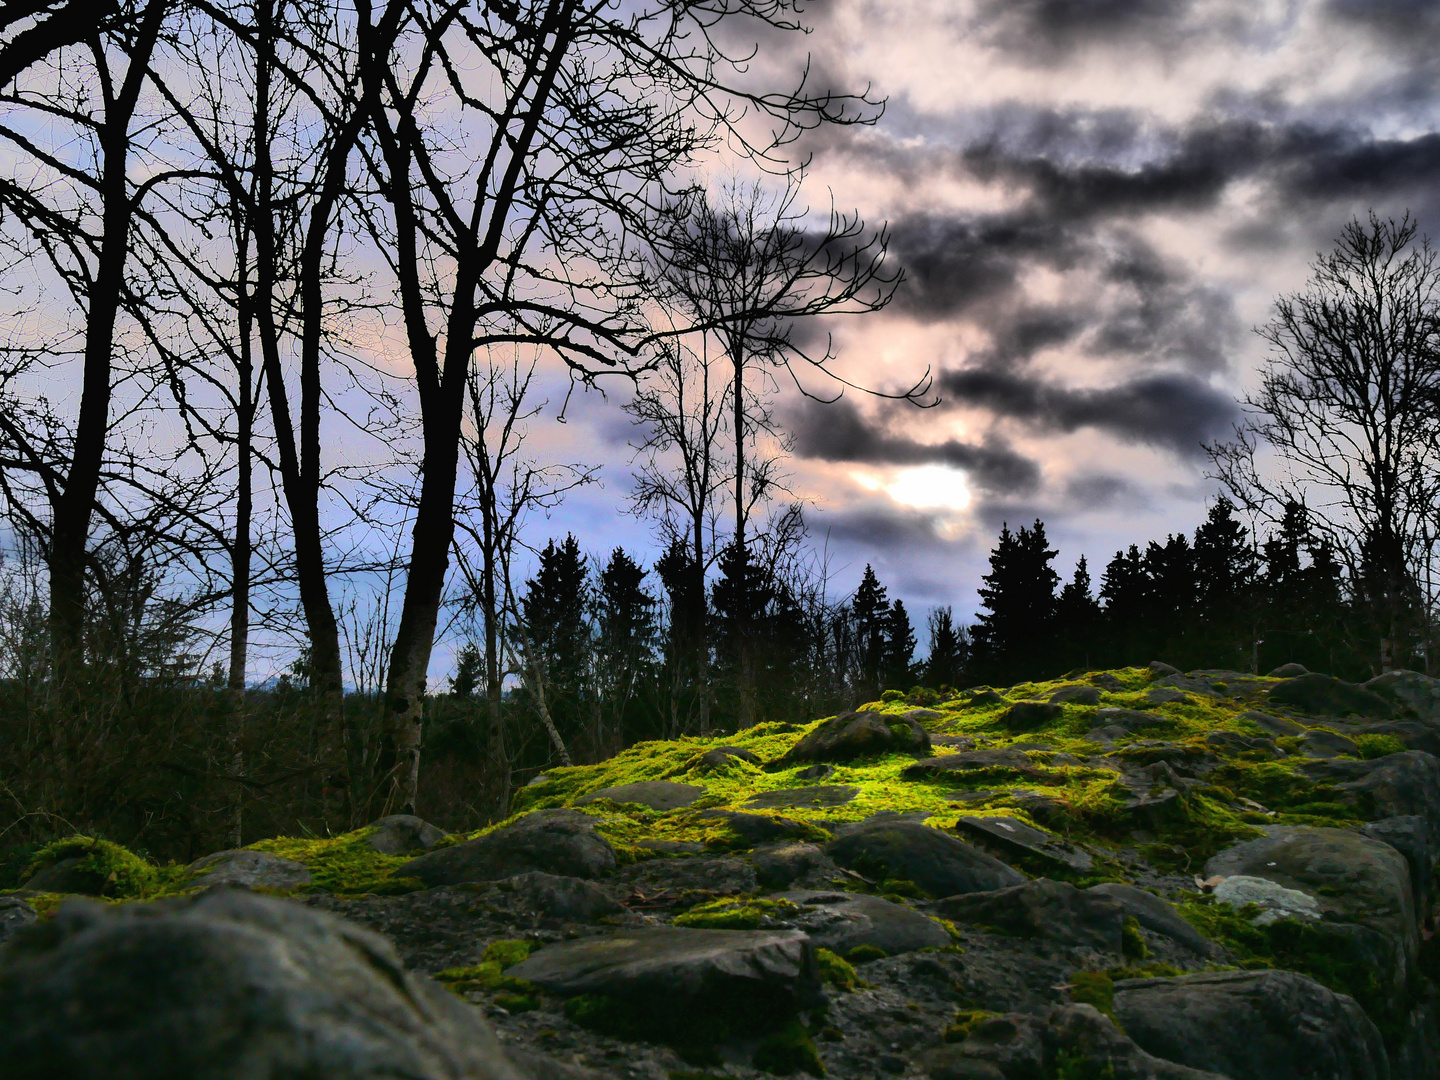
948,653
554,608
625,630
869,608
898,669
1077,621
1014,639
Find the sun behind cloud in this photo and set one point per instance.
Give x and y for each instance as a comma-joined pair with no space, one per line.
931,487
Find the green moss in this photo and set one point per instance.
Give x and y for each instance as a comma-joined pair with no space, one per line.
117,872
788,1051
965,1022
487,975
509,952
892,695
836,971
1094,988
1377,746
1073,1065
863,954
345,865
517,1003
734,913
1132,942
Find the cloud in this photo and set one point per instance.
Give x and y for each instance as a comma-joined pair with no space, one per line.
1174,411
1046,31
838,432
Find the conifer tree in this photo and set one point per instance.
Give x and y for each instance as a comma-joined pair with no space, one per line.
1125,589
554,608
869,610
947,650
625,631
1015,635
898,672
1225,570
1077,620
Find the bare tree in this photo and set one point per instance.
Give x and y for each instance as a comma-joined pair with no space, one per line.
1349,406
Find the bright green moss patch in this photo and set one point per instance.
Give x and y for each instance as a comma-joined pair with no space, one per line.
488,975
1132,943
1073,1065
508,953
836,971
111,870
342,864
863,954
1378,746
965,1022
788,1051
734,913
1094,988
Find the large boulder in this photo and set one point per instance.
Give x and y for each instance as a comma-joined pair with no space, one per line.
250,869
672,971
400,834
858,734
1031,715
933,860
1325,695
1155,914
1416,693
1015,838
971,763
817,796
1253,1025
1395,785
228,985
1412,836
565,898
1053,910
1076,695
844,921
560,842
656,794
777,866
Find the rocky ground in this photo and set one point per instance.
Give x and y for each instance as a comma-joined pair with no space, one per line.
1129,874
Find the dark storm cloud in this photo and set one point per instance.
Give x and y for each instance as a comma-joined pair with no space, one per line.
1174,411
1102,491
876,528
837,432
1046,31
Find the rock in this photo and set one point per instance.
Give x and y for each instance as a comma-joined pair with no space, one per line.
671,847
1029,715
815,772
1412,734
1395,785
722,756
400,834
1017,838
1155,914
556,841
673,972
1190,684
1275,725
1289,671
841,921
229,985
923,714
1234,741
947,1062
1328,696
723,875
1252,1025
933,860
1084,1033
1327,744
777,865
1053,910
1107,682
1107,734
855,734
1014,1045
982,698
1278,901
1133,719
566,898
15,914
659,795
67,876
1158,669
1167,695
754,829
1076,695
951,766
806,796
1416,693
1412,836
251,869
953,743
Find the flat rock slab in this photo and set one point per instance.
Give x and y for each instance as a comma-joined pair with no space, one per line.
229,985
722,757
1054,910
251,869
820,795
1029,715
704,875
1019,838
1252,1025
935,861
1278,901
560,842
858,734
656,794
1077,695
752,829
1327,696
1327,744
949,766
844,921
565,898
1155,914
400,834
677,970
1273,725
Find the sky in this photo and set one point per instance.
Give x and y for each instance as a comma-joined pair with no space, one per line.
1095,203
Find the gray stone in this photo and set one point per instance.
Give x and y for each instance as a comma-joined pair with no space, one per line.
400,834
1107,682
953,742
1107,734
1029,715
1167,695
933,860
752,829
1191,684
67,876
229,985
815,772
673,971
656,794
806,796
723,875
556,841
1134,719
1412,836
566,898
923,714
841,921
1327,744
1252,1025
1018,1046
1278,901
947,1062
1076,695
982,698
1155,914
1018,838
777,865
671,847
1241,744
1392,786
1086,1034
723,756
978,762
1274,725
857,734
1158,669
15,914
1289,671
1053,910
1412,691
251,869
1326,696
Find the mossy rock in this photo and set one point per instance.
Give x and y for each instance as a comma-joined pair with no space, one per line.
93,867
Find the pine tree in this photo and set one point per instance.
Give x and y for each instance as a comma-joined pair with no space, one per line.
625,639
1225,570
554,609
1172,592
869,609
898,672
469,670
686,651
1125,589
947,650
1077,619
1015,636
741,598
